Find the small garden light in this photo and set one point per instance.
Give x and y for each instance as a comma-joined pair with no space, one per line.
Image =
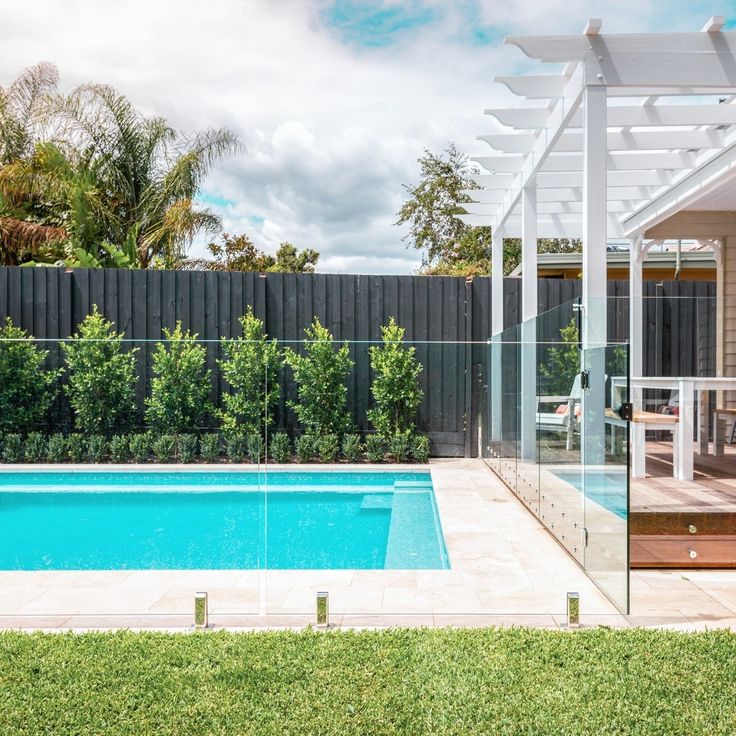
573,610
201,613
323,610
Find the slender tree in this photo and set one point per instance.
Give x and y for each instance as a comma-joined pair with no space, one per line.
321,373
448,246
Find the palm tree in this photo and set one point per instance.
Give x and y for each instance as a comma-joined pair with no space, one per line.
150,175
29,225
88,179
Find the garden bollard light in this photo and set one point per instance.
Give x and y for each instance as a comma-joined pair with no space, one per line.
573,610
201,614
323,610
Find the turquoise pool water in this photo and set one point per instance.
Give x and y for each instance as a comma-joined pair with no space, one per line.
606,489
219,520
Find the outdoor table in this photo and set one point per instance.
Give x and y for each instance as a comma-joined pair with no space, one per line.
686,386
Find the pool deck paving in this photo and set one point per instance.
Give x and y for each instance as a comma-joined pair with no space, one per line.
506,570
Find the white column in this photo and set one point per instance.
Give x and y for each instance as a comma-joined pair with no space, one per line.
595,216
636,332
529,251
496,282
496,330
528,337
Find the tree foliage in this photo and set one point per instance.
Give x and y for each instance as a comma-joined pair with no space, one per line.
178,400
395,385
562,363
449,247
251,368
26,387
320,374
101,378
240,253
96,182
434,202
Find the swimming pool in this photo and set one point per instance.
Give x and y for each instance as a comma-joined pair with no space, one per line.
608,489
100,520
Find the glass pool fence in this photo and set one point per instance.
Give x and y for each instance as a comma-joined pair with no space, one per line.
138,473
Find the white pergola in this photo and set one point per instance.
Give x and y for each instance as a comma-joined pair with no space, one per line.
634,128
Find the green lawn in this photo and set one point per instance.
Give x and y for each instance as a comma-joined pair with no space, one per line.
442,681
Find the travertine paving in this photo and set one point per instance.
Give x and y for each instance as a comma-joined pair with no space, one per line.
505,570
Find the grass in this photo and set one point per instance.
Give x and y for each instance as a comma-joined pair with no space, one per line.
402,681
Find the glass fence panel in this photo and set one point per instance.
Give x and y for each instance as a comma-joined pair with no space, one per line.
357,516
605,481
559,421
505,404
564,432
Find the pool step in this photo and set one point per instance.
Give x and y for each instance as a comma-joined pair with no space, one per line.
405,484
376,501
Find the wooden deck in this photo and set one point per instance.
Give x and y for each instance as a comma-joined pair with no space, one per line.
712,489
677,523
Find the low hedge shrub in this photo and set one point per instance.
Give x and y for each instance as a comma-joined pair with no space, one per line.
209,447
12,448
34,450
254,447
140,447
236,448
120,448
280,448
186,446
96,448
305,447
351,447
164,448
328,448
399,445
374,448
420,448
56,449
76,447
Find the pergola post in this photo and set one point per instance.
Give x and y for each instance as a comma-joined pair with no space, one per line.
496,330
595,216
636,337
528,336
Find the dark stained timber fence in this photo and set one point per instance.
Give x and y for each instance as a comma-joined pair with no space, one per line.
448,318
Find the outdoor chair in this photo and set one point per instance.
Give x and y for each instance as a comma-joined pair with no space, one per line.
566,418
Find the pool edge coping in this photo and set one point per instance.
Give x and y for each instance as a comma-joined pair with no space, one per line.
212,467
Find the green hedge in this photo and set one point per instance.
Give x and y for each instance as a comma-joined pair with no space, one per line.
504,682
146,447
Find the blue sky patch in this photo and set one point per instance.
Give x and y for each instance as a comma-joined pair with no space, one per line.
376,25
212,199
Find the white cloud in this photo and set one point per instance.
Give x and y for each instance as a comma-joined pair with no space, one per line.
332,130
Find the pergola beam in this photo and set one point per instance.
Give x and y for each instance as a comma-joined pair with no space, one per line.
580,48
624,116
556,180
562,194
618,161
571,141
551,86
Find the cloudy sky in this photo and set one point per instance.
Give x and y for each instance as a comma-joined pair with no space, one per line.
334,100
